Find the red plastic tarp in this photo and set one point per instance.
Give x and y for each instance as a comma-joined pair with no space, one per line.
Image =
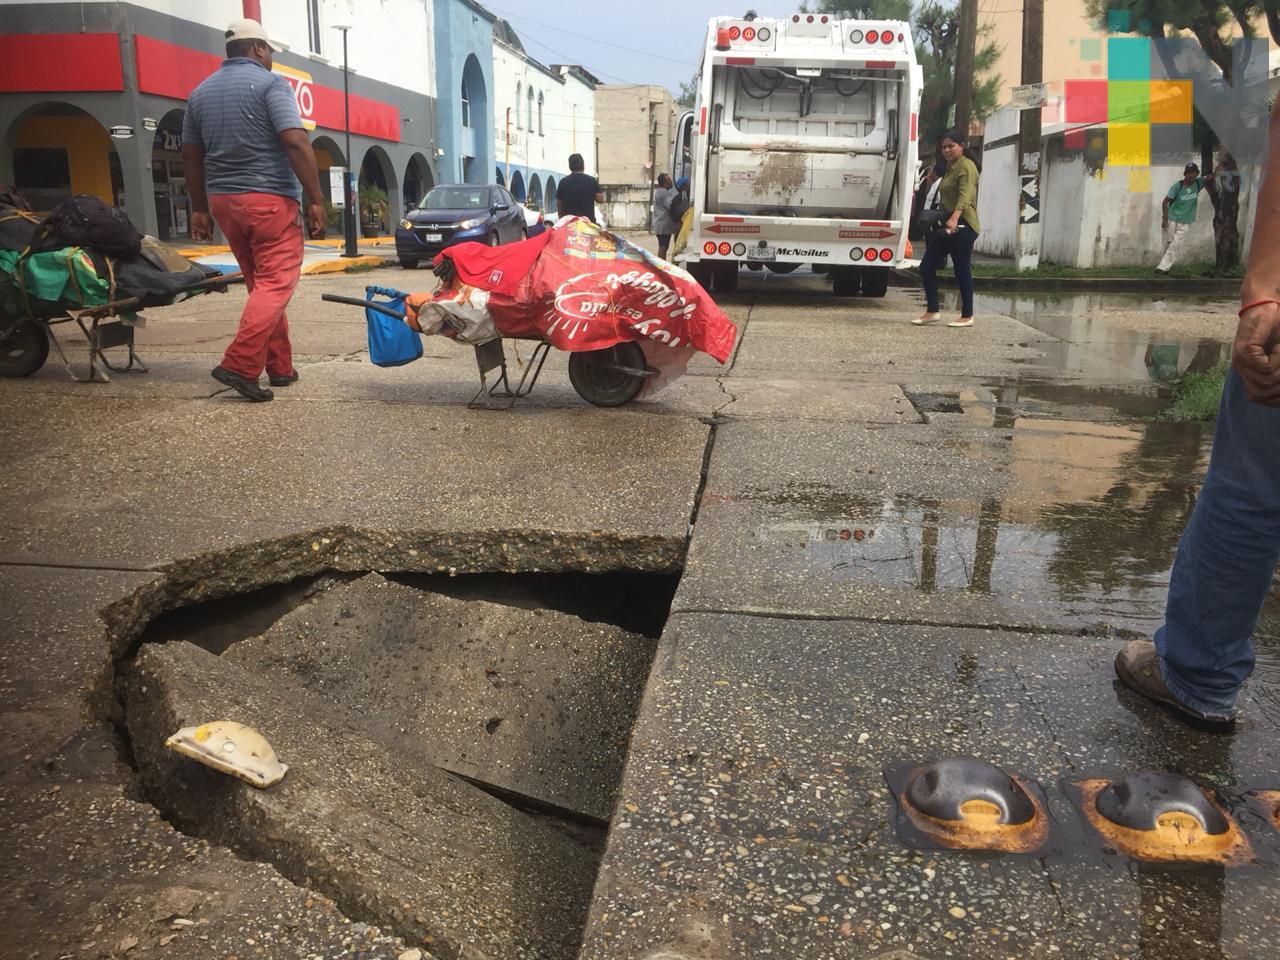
582,288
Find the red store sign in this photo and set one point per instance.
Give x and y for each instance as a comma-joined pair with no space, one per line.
168,70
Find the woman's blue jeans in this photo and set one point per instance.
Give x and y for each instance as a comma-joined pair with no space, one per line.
959,246
1225,561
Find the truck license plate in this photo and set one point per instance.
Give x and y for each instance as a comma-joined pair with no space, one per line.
761,253
433,237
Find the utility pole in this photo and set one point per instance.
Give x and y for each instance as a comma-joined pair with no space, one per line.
966,51
1027,246
350,214
653,161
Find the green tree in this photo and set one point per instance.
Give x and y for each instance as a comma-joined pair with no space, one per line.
937,31
867,10
1214,24
688,94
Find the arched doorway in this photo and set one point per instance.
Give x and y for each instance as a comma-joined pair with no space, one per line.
417,180
329,154
173,213
475,122
378,192
517,185
550,205
535,191
55,150
500,180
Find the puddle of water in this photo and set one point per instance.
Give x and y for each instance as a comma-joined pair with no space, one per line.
1083,342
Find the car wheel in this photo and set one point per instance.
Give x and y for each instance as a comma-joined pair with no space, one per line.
409,263
24,347
492,240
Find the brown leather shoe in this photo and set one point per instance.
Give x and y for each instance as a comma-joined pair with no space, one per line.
1138,667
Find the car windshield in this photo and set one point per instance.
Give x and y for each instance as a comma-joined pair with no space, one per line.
456,198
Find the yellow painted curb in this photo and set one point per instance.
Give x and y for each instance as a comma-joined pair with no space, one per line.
363,242
195,253
342,265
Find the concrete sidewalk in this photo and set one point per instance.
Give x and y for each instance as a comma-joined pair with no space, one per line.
319,256
894,544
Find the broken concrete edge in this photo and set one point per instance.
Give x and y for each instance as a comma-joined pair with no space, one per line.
348,549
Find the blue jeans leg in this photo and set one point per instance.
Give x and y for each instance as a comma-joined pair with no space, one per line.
962,242
935,256
1225,561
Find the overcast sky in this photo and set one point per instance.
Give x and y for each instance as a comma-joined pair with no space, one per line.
651,41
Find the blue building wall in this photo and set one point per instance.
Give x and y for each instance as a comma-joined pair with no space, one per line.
464,48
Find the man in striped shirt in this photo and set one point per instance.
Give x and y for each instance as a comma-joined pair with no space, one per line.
244,152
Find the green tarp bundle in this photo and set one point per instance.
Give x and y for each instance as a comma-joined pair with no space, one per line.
65,277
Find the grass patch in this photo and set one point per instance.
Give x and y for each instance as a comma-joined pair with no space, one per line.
362,267
1053,271
1196,396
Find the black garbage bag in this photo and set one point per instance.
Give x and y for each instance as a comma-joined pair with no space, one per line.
156,275
86,221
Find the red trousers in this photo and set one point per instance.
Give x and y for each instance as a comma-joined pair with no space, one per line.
265,234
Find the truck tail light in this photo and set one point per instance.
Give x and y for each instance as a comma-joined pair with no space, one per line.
873,36
886,38
856,36
763,34
734,33
709,247
855,254
886,254
749,33
725,248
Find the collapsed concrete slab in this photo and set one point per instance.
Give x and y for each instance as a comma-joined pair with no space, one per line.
384,833
534,702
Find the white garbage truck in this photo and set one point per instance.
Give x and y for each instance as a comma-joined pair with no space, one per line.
801,148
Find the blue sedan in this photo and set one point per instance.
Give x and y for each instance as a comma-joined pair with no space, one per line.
458,213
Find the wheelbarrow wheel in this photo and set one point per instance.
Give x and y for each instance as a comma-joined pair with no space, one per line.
24,347
604,377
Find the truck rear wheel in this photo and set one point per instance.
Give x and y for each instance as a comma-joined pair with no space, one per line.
875,282
782,267
846,281
701,271
725,276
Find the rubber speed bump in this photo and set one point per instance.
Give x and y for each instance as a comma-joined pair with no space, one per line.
968,804
1266,803
1160,818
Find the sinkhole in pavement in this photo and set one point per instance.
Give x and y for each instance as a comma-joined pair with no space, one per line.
454,743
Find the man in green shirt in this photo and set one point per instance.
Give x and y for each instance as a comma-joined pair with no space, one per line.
1179,213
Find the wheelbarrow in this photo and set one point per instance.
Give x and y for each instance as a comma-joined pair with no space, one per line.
604,378
25,339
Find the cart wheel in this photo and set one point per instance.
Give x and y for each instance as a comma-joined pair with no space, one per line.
24,349
597,376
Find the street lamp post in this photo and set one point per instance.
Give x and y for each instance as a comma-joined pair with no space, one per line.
349,211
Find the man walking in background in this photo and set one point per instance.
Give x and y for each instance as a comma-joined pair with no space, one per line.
1178,214
578,194
244,152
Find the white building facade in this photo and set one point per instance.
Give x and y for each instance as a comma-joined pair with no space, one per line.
542,114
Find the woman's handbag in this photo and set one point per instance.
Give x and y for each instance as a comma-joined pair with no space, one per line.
933,220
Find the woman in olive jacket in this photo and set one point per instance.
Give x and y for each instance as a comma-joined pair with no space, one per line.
956,235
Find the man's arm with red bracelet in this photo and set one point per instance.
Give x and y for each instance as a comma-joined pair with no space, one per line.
1255,355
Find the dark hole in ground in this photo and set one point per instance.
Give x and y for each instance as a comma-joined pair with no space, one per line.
583,704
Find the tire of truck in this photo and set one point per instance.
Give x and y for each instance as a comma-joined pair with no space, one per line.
875,282
700,271
725,276
23,348
602,377
846,281
782,267
409,263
